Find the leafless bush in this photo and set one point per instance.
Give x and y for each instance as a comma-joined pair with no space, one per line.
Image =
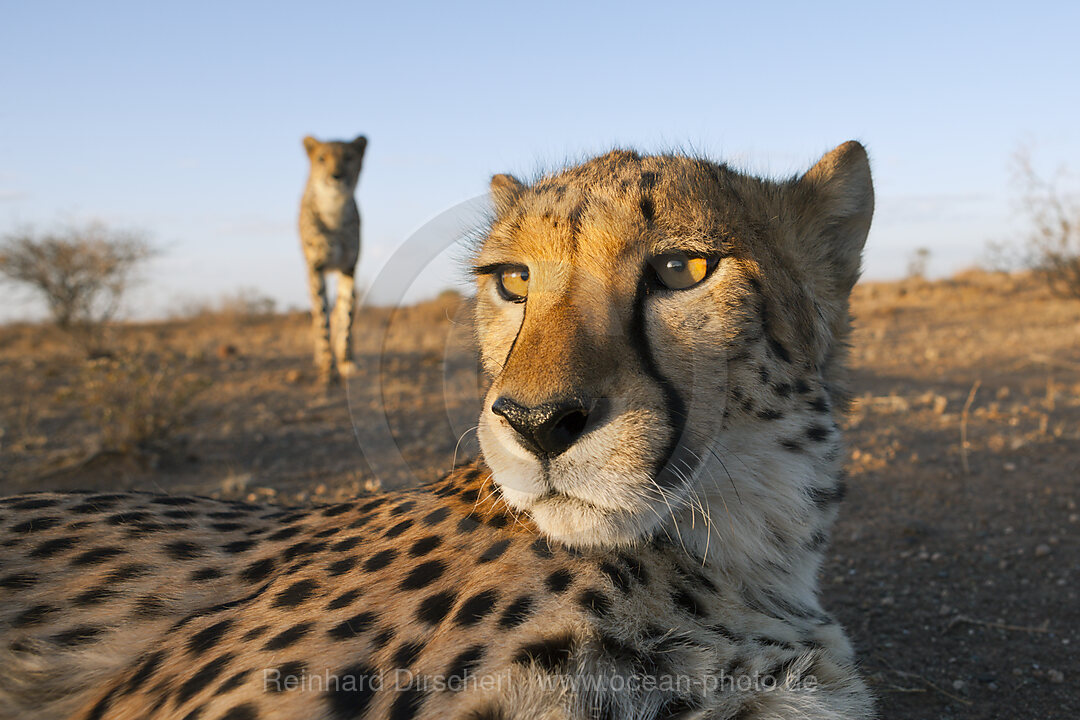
139,402
243,304
81,273
918,263
1052,244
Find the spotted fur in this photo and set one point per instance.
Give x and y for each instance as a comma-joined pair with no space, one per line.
475,597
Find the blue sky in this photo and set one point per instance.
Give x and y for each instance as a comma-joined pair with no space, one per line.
185,119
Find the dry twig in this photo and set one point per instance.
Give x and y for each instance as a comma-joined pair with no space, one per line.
964,424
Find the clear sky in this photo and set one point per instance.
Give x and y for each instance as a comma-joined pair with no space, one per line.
185,119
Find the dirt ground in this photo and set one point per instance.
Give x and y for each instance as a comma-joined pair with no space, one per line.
955,563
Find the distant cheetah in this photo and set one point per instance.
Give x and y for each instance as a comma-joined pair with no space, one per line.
330,235
641,538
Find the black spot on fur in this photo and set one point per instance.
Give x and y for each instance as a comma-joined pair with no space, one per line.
18,581
541,548
226,527
239,546
403,507
822,497
407,703
618,578
254,633
36,524
346,544
206,675
559,580
257,571
360,521
517,612
208,638
174,501
498,521
204,574
93,596
468,523
782,389
372,504
145,672
33,504
819,405
595,602
551,654
150,607
354,627
341,567
476,608
399,528
77,636
425,545
343,600
770,414
380,560
301,548
288,637
335,510
435,516
791,445
382,639
244,711
686,601
233,682
350,697
817,433
406,654
183,550
128,518
434,608
284,534
633,565
423,575
494,552
296,593
462,666
33,616
54,546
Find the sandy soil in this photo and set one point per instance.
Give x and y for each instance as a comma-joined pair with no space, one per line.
955,566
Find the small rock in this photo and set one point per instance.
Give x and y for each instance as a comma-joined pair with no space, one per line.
1042,550
226,351
958,685
1055,676
294,376
940,403
888,600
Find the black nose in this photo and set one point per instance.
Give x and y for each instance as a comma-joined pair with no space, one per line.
339,176
547,429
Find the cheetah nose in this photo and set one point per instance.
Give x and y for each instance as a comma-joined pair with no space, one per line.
546,429
339,176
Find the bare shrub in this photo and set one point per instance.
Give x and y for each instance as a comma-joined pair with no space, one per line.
918,264
139,403
1052,243
243,304
81,273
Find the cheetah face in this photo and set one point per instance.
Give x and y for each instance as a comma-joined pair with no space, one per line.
336,165
618,303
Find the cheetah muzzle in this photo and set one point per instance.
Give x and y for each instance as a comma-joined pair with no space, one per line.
665,339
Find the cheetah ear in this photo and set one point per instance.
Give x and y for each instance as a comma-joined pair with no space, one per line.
505,190
359,144
310,144
835,200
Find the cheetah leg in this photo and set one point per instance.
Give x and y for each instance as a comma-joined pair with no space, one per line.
320,324
344,314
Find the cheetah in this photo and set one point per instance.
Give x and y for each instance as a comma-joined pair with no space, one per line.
639,539
330,237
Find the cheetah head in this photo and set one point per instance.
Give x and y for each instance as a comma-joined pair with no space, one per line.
628,307
336,165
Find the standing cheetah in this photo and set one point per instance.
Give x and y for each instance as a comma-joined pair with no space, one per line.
641,538
330,235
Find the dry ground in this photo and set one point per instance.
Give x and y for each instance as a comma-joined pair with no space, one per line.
956,567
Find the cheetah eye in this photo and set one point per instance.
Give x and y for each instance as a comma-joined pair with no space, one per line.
513,283
679,271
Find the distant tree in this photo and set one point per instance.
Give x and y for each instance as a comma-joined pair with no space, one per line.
81,273
1052,242
918,263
